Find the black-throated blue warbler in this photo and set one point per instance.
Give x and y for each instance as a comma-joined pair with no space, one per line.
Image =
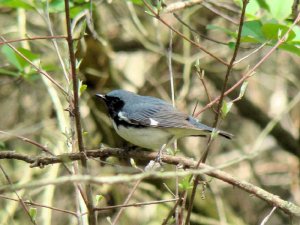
150,122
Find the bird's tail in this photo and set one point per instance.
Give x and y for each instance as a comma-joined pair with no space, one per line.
206,128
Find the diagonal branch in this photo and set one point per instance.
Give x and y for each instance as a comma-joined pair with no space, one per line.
228,72
157,16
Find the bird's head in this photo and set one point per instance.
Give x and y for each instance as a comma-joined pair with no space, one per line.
115,100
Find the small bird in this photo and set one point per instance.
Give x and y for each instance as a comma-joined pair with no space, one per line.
151,122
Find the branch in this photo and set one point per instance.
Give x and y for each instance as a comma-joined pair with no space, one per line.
135,204
74,105
40,71
34,38
176,6
18,196
217,116
157,16
30,203
274,200
251,111
251,71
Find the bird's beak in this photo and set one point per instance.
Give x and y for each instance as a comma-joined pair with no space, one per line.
101,96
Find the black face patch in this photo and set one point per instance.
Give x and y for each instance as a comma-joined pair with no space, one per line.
114,105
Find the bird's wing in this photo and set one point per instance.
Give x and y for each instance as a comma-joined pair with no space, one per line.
165,116
156,115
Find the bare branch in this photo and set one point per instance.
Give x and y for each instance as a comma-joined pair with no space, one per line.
272,199
74,105
33,38
176,6
183,36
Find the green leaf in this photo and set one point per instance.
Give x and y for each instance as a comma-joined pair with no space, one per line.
33,213
225,108
32,75
11,57
74,11
16,4
132,163
56,6
273,31
185,184
149,13
252,8
231,45
252,32
2,145
136,2
82,87
243,89
9,73
290,48
197,65
280,9
263,4
31,56
99,198
296,29
15,59
170,151
78,63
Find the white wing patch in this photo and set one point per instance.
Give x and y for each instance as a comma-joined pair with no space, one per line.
153,122
122,117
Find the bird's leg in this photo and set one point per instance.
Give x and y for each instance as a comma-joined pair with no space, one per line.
163,147
158,157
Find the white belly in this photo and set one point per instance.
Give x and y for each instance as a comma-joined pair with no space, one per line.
151,138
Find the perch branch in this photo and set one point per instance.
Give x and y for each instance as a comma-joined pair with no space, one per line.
272,199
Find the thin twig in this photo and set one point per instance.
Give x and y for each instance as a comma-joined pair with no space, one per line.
201,77
40,146
135,204
34,38
170,214
205,154
157,16
19,198
197,33
54,42
126,202
251,53
34,66
218,12
176,6
41,205
44,149
251,71
74,105
265,220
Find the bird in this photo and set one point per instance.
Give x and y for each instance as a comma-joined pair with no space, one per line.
150,122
